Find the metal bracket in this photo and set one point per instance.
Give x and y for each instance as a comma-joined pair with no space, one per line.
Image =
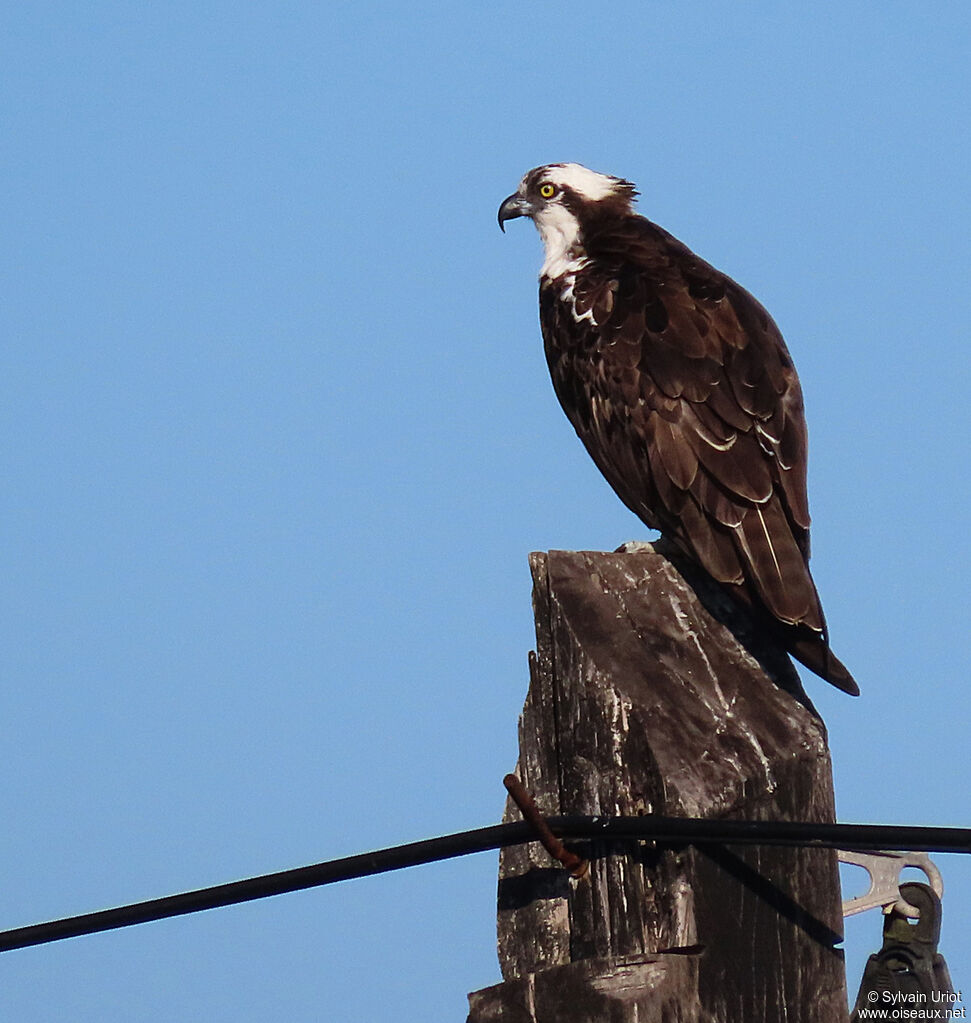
908,967
884,869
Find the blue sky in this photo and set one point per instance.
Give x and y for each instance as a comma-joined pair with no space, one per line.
277,438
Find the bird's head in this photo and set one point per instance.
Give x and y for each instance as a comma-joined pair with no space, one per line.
564,200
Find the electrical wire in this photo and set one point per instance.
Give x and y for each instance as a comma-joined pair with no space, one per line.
668,831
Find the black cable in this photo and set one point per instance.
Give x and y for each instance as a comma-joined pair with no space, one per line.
362,865
663,830
699,830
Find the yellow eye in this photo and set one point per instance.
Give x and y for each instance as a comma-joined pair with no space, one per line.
547,191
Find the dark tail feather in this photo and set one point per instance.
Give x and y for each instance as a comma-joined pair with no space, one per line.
818,657
802,642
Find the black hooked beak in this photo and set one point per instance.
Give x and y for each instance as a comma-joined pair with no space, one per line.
515,206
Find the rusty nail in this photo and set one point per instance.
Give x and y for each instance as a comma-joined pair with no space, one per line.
576,865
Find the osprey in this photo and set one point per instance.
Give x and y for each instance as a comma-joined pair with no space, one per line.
682,390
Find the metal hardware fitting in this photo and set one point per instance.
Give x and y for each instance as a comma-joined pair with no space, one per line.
884,869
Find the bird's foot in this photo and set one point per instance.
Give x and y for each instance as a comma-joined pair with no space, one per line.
635,547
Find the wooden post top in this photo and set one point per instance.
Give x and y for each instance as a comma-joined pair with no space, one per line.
652,695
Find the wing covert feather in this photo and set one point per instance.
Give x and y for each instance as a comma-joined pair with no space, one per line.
681,388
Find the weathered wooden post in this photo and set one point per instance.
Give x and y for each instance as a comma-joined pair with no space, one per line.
643,700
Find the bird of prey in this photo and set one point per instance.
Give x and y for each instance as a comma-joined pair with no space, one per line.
681,388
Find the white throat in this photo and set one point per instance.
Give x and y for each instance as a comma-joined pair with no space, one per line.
560,232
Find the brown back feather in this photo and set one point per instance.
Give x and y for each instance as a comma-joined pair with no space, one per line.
683,392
